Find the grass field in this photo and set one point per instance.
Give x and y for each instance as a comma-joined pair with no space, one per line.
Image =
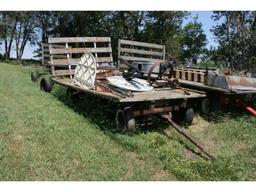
47,137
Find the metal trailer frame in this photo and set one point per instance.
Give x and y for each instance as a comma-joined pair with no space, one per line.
158,101
225,93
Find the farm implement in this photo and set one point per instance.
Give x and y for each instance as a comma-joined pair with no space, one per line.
221,89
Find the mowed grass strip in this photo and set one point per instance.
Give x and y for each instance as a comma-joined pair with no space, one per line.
47,137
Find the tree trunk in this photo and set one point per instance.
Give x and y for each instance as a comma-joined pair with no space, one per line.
228,40
9,46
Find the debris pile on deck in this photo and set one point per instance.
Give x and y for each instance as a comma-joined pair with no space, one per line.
108,79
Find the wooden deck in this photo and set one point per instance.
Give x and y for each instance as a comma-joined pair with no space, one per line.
161,94
154,95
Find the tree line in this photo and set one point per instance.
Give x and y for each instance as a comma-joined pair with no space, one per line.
235,33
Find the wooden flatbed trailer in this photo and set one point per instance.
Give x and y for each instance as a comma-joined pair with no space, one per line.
158,101
166,102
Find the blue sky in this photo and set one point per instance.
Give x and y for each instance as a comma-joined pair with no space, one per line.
203,16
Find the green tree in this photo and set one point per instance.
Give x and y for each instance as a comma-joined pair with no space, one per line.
193,41
79,23
236,37
8,27
156,27
24,32
124,25
45,22
17,29
164,27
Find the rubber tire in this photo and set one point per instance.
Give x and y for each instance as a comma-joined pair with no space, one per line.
46,84
189,115
130,119
183,115
34,75
121,121
205,106
125,121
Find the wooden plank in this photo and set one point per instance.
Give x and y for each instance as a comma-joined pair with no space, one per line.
42,55
76,60
196,77
119,54
51,61
141,44
81,50
95,47
202,77
68,57
104,59
129,58
70,83
188,75
78,39
110,54
64,61
191,75
59,56
46,54
192,69
164,53
46,45
142,52
63,72
183,76
156,95
170,94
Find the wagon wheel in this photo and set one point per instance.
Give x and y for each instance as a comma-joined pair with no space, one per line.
34,75
184,115
205,106
46,84
211,104
164,66
125,120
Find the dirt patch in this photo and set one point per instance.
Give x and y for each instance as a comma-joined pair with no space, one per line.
16,145
162,175
199,132
132,159
199,125
158,174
